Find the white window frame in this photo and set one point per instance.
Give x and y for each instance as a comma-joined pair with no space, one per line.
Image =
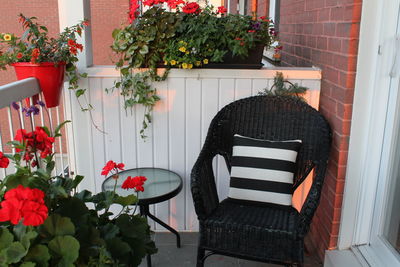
367,163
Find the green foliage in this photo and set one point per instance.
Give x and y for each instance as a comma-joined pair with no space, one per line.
179,40
279,88
73,234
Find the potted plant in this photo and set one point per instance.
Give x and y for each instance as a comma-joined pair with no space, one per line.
35,54
185,36
46,221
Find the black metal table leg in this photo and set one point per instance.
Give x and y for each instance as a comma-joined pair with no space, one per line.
144,210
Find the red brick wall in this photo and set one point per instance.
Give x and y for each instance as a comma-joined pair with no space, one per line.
325,34
106,15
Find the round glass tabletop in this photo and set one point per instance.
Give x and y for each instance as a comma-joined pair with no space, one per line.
161,184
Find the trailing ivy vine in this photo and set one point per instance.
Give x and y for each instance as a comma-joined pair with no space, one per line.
279,88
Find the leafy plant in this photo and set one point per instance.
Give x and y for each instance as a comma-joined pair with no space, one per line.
279,88
36,46
45,221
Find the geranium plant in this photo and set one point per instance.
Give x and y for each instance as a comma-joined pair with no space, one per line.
37,47
179,34
46,221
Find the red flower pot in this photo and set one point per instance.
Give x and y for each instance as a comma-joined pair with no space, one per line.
50,76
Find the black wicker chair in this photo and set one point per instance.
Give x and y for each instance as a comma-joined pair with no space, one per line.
260,233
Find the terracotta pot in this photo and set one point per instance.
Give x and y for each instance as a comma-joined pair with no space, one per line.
50,76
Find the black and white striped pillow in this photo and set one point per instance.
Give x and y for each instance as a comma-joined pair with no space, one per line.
263,170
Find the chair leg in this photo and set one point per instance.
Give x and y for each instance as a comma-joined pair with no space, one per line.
200,257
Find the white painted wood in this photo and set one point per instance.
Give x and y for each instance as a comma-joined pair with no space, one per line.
161,144
13,92
180,124
367,123
176,121
193,143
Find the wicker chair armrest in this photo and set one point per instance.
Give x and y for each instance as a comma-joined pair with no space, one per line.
204,191
311,203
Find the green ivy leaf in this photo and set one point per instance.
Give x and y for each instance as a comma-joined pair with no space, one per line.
79,92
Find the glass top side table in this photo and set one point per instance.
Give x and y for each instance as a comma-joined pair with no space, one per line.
160,186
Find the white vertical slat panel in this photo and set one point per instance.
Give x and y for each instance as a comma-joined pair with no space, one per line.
111,113
260,84
129,135
98,137
161,144
242,88
69,110
82,140
226,96
193,143
176,98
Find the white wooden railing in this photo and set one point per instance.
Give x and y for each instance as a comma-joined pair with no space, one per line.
190,99
11,120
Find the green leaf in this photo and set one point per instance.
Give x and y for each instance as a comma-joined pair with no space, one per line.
127,200
58,128
39,254
28,264
79,92
83,75
144,50
118,248
66,248
27,238
6,238
77,181
109,231
55,225
15,252
50,167
84,195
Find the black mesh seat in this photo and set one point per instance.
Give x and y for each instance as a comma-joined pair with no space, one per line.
264,233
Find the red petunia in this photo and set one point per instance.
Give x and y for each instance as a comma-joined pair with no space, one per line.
3,161
191,8
24,203
222,10
135,183
111,165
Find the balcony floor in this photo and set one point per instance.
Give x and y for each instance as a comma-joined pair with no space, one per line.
169,255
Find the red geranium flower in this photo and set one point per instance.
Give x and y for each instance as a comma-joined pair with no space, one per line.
133,10
134,183
221,9
3,161
37,140
85,23
19,55
24,203
191,7
111,165
174,3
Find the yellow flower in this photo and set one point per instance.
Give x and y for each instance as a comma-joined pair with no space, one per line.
197,63
173,62
190,66
182,42
184,65
187,52
182,49
7,37
205,61
165,62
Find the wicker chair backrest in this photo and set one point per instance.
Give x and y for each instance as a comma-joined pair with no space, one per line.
272,118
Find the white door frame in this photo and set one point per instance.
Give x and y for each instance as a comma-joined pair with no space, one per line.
378,27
